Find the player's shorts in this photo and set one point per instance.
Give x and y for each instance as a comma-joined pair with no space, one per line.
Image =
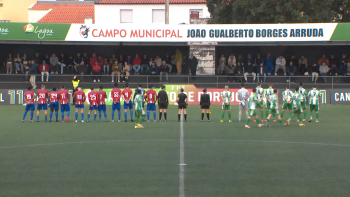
128,106
151,107
243,107
205,106
274,111
81,106
54,106
30,107
65,107
182,106
252,112
287,106
162,105
102,107
116,106
314,108
42,106
260,105
226,107
303,105
93,107
298,110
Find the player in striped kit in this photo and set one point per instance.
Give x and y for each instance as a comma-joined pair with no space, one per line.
287,102
102,95
138,110
268,93
43,95
151,99
298,110
260,94
303,95
226,104
253,103
63,97
273,108
79,98
313,97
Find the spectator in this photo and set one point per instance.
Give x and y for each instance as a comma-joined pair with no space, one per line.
314,73
44,70
163,70
230,72
280,64
324,70
129,62
62,62
222,65
167,60
249,59
116,70
178,60
150,62
232,59
70,64
185,69
46,58
33,70
145,64
17,61
342,68
239,70
82,69
240,60
77,61
101,62
96,70
173,64
333,66
53,64
107,65
269,64
121,61
249,70
291,72
9,64
294,60
37,59
193,63
323,60
113,59
258,60
262,72
346,71
93,59
153,70
303,67
342,63
86,60
25,62
126,71
158,61
137,63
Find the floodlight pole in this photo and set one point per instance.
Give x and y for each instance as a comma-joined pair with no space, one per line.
166,11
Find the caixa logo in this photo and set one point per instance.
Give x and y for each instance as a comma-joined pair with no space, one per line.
84,31
42,33
4,31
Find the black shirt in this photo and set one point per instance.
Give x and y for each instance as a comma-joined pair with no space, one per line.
163,97
182,98
205,99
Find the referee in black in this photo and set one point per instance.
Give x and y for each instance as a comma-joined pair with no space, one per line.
205,103
183,102
163,103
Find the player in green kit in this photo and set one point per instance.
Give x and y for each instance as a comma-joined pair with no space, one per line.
260,94
298,110
139,114
226,104
253,103
313,97
303,95
287,102
268,93
273,100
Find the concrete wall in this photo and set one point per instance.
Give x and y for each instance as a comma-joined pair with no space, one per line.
35,15
15,10
110,14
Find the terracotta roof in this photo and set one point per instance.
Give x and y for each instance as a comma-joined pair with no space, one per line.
65,13
149,1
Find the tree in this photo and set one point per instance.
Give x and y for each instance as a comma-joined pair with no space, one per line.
278,11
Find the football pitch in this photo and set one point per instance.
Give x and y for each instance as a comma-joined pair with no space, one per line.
210,159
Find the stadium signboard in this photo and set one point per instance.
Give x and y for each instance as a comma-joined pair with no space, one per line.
176,33
340,97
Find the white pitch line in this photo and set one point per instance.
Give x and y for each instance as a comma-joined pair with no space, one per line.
182,159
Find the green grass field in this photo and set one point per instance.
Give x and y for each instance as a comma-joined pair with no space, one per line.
222,159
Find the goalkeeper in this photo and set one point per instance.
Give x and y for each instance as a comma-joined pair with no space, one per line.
243,96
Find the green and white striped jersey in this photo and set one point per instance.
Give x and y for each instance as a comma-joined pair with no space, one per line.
226,95
287,95
253,101
303,94
273,101
138,102
259,92
296,99
314,96
269,92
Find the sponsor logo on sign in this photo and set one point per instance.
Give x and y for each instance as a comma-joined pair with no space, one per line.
42,33
4,31
84,31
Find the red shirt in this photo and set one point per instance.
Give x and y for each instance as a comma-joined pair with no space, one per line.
53,96
96,68
79,97
116,93
92,96
63,96
137,61
93,60
102,97
29,97
44,68
151,96
127,93
43,96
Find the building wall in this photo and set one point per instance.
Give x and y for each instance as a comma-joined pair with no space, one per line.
35,15
110,14
15,10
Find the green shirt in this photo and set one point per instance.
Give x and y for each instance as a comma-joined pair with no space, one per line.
226,95
296,100
287,95
138,102
302,93
314,96
273,101
259,92
253,101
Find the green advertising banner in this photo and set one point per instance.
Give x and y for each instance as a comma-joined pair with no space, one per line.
34,31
